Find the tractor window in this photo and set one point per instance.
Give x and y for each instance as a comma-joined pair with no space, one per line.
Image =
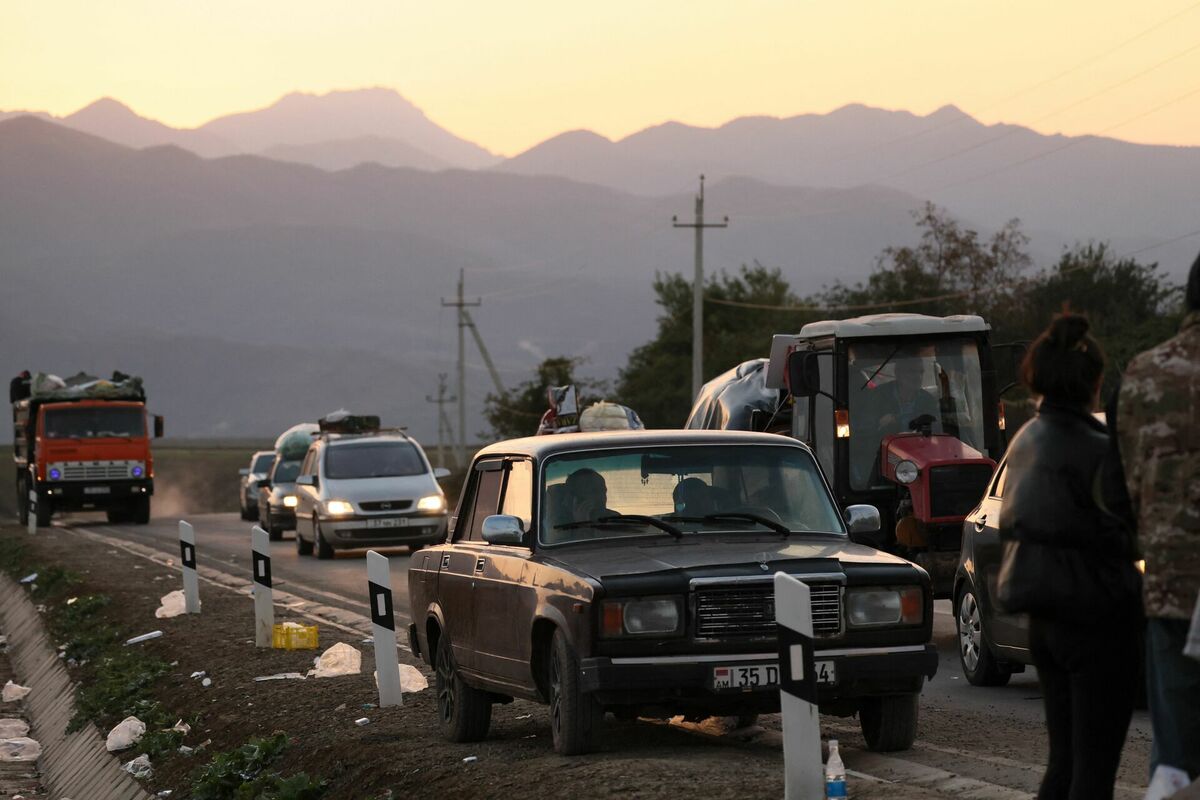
902,385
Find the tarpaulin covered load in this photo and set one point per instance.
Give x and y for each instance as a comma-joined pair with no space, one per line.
83,386
604,416
293,443
729,400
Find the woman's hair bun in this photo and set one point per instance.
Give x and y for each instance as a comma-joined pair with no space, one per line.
1068,330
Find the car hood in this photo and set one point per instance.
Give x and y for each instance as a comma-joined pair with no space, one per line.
406,487
279,490
618,557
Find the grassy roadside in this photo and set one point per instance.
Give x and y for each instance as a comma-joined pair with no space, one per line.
114,681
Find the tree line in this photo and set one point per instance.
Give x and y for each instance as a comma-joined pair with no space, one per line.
952,269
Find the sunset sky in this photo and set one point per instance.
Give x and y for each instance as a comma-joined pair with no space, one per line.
508,75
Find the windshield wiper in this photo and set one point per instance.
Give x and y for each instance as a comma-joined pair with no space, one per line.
624,520
891,355
737,516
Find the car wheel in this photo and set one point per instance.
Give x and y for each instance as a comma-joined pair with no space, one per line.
889,723
745,721
303,548
140,512
574,714
252,513
464,713
116,516
268,525
979,664
324,551
22,502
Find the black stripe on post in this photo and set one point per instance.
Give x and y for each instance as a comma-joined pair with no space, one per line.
187,554
381,606
804,685
262,569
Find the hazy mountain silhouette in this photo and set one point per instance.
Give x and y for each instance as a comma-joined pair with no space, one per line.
346,153
117,122
1088,187
306,119
281,272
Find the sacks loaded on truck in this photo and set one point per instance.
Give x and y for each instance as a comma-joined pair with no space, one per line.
83,444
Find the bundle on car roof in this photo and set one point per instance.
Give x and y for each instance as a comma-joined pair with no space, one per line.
83,386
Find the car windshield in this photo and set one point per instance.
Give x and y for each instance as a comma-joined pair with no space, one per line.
286,472
898,385
372,460
695,489
94,423
262,464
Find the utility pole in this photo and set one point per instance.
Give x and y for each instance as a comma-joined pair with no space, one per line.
445,432
698,288
462,304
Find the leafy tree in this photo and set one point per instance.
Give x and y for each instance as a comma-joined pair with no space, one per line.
657,381
517,412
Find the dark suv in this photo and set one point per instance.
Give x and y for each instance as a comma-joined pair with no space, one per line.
632,572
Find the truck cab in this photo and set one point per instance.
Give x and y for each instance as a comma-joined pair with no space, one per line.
84,449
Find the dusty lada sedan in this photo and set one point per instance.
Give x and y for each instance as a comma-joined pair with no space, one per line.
631,572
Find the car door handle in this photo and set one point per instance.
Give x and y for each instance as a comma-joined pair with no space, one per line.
981,523
446,561
479,562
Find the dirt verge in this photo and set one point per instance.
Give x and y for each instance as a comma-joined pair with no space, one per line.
400,750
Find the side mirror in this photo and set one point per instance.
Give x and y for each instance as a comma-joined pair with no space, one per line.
306,480
264,483
441,472
244,471
503,529
803,373
862,519
158,426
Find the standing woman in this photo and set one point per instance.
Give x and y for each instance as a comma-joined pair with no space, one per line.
1069,564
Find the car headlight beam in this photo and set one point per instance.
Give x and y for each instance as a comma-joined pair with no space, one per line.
433,502
289,501
338,508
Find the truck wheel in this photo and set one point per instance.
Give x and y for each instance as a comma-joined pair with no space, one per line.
139,514
43,510
464,713
116,516
979,664
889,723
324,551
574,715
303,548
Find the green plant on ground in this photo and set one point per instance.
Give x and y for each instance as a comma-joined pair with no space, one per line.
242,774
118,686
55,580
14,555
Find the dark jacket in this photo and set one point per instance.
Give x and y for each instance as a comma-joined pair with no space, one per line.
1054,496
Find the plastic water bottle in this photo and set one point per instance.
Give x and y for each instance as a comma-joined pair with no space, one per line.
835,773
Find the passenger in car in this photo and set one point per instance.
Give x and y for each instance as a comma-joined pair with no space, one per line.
587,495
693,498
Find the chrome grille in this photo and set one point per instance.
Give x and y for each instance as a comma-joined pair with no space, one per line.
95,470
750,611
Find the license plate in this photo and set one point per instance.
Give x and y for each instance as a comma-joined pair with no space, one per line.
97,489
393,522
764,676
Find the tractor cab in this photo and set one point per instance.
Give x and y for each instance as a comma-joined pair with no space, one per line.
903,413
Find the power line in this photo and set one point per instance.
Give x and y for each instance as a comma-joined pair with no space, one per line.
1163,243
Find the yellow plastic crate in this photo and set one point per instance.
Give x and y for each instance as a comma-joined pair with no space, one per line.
293,636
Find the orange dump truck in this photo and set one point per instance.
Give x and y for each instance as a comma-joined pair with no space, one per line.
83,444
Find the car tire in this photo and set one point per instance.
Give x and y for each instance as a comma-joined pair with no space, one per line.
889,723
273,533
22,503
979,663
245,512
323,549
116,516
464,713
303,548
744,721
139,512
575,715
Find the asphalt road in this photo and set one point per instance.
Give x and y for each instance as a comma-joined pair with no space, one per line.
988,734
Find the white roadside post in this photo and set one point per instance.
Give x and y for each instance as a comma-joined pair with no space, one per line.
187,557
383,626
803,777
264,609
31,523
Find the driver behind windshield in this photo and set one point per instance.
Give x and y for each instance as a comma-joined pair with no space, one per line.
587,495
903,400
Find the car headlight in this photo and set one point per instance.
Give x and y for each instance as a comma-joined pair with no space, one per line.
907,472
434,502
338,508
873,607
639,617
289,501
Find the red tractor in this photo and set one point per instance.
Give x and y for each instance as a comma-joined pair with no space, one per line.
903,412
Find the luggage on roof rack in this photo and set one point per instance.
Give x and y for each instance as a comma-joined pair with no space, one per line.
345,422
